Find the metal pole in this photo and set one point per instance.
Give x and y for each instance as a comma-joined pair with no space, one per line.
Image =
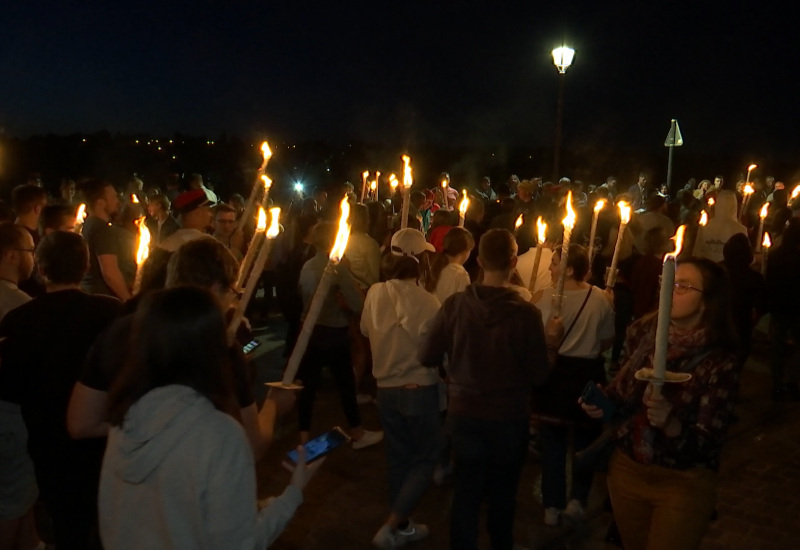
669,171
559,120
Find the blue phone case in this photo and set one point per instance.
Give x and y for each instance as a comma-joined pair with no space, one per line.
320,445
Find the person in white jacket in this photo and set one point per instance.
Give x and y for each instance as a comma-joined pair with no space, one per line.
178,470
395,318
725,224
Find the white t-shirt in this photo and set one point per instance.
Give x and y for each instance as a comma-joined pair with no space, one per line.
10,297
595,324
181,237
453,278
525,267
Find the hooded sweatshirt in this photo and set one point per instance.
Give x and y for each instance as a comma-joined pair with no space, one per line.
724,225
396,317
179,474
496,347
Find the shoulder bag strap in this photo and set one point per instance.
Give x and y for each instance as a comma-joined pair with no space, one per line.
583,305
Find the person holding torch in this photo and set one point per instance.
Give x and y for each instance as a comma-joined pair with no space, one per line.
662,475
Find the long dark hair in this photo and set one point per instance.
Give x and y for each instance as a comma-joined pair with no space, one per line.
178,337
456,241
717,319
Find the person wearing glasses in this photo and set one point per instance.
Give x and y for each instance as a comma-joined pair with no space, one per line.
662,476
225,227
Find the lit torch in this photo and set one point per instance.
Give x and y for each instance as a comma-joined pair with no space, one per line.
795,193
258,184
763,215
599,205
569,223
765,245
258,269
80,218
134,198
445,192
462,209
373,189
255,245
407,182
142,252
711,201
625,217
377,184
393,183
364,176
320,295
747,192
703,218
664,313
518,223
541,228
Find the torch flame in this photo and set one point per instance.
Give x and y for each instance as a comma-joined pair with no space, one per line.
134,198
624,211
407,180
767,242
711,201
274,226
261,225
393,181
343,234
144,242
80,216
266,152
463,205
703,218
541,228
373,185
752,167
598,206
763,213
267,182
569,221
795,192
678,242
444,184
748,189
518,223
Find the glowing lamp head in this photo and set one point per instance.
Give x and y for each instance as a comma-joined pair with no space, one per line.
267,182
407,179
678,238
463,205
599,205
562,58
340,245
541,229
274,226
767,242
703,218
261,224
569,220
143,249
763,213
624,211
298,187
518,223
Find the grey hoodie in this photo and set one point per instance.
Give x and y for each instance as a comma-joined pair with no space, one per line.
711,239
180,474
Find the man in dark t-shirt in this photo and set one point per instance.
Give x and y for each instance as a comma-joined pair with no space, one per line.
46,342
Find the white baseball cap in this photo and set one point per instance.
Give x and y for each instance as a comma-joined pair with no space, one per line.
410,242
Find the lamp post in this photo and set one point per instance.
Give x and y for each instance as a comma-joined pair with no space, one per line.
562,58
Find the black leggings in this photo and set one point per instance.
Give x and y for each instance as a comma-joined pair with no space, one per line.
327,346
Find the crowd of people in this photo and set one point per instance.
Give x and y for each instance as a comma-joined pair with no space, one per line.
121,389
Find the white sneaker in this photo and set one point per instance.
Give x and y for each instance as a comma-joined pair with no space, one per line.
384,538
368,439
412,533
551,516
574,512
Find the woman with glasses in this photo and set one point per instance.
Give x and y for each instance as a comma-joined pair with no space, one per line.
662,475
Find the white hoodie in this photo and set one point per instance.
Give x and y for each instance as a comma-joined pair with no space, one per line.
396,318
180,475
712,238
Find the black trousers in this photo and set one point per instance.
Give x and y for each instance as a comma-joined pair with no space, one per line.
329,347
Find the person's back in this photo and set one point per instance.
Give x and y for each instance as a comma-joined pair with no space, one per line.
712,238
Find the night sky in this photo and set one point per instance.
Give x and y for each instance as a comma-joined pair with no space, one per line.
407,74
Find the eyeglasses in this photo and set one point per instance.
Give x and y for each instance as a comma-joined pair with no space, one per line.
683,288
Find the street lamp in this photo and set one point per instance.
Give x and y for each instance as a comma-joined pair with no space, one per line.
562,58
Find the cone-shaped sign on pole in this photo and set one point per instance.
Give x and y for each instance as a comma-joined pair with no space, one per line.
674,137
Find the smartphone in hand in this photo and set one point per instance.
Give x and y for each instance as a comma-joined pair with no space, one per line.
593,396
321,445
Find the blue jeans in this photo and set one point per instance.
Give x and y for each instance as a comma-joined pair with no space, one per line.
555,440
413,437
489,455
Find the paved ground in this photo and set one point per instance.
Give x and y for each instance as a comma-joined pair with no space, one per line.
758,498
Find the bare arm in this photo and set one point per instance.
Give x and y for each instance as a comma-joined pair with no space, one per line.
109,267
86,413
